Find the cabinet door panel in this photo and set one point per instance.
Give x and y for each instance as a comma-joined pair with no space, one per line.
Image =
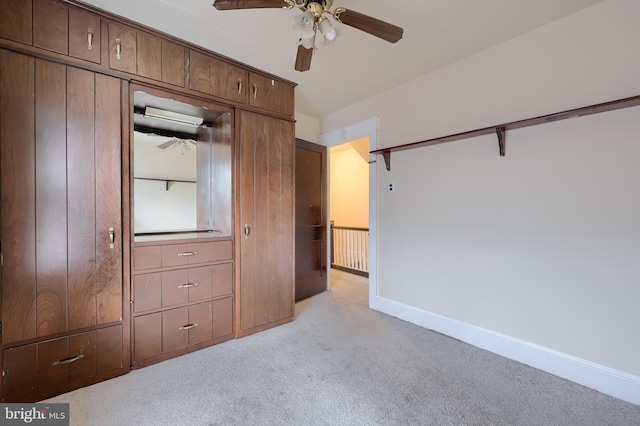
20,372
83,345
16,20
17,189
147,258
201,317
173,67
51,373
122,49
109,349
286,94
257,85
222,317
202,276
149,51
147,336
108,195
84,35
203,252
199,72
51,25
51,208
222,279
81,209
266,276
147,292
175,255
174,291
237,78
174,334
272,95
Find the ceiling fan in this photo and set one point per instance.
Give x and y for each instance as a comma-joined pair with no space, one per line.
314,28
181,145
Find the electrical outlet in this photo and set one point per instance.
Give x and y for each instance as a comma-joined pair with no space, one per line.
391,187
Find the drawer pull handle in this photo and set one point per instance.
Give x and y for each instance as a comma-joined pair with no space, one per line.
188,285
89,38
188,326
188,253
255,91
112,238
239,86
68,360
118,48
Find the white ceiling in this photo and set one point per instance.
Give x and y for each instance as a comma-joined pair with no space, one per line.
357,65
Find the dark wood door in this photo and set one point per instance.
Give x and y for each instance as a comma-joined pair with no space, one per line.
311,207
61,214
266,181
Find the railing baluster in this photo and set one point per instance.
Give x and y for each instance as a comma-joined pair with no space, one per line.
350,249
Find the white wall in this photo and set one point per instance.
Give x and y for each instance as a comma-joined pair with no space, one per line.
534,255
307,127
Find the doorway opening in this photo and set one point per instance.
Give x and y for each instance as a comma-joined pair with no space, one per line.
367,130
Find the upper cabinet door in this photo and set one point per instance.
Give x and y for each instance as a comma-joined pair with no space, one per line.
227,80
15,20
173,63
51,25
84,35
149,56
123,49
257,84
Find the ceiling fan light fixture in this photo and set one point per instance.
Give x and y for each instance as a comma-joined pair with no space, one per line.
309,42
327,30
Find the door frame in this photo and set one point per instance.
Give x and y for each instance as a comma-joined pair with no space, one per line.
362,129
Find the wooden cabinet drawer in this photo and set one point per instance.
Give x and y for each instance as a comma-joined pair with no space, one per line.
147,258
185,254
165,289
84,35
46,366
186,285
186,326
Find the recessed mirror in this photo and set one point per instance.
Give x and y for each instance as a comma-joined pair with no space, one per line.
181,168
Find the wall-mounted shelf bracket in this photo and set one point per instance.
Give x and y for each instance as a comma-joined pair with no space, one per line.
500,129
500,134
386,154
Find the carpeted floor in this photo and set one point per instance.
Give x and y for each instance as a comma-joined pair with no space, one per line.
340,363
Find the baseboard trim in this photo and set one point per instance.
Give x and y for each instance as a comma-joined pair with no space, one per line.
607,380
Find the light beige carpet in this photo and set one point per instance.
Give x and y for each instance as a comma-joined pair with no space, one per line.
341,363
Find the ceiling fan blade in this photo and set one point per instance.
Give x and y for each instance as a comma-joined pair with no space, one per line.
167,144
248,4
303,58
373,26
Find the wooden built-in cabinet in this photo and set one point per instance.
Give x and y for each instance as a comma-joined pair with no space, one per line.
216,77
146,55
182,297
52,25
270,94
82,298
60,226
266,161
